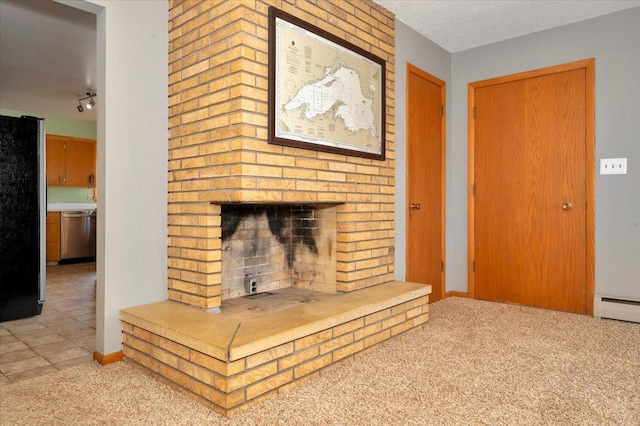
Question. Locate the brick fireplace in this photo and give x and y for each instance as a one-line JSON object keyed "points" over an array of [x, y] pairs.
{"points": [[218, 150], [241, 209]]}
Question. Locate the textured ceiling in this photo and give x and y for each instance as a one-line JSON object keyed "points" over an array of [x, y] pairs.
{"points": [[48, 49], [461, 25]]}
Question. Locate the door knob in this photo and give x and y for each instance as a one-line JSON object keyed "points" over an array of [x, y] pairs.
{"points": [[415, 206], [567, 206]]}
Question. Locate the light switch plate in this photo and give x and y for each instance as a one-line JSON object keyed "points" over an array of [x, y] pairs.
{"points": [[613, 166]]}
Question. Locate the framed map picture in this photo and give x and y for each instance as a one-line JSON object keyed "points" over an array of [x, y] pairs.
{"points": [[324, 93]]}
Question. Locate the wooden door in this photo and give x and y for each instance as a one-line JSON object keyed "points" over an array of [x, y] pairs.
{"points": [[80, 162], [55, 160], [530, 194], [425, 180]]}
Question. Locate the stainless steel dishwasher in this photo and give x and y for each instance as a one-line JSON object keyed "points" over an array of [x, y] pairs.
{"points": [[77, 234]]}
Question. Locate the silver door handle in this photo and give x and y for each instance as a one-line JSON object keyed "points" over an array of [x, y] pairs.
{"points": [[415, 206], [567, 206]]}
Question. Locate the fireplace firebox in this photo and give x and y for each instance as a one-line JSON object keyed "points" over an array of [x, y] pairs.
{"points": [[267, 247]]}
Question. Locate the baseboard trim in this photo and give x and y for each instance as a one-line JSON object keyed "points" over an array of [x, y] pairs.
{"points": [[456, 294], [108, 358], [618, 309]]}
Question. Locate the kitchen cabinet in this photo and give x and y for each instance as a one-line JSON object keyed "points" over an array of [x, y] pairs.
{"points": [[71, 161], [55, 160], [53, 237]]}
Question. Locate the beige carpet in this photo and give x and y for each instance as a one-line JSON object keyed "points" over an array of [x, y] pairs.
{"points": [[474, 363]]}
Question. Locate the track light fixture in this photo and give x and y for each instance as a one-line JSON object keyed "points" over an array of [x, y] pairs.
{"points": [[88, 105]]}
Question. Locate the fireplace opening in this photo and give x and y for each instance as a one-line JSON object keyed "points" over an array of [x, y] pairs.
{"points": [[269, 247]]}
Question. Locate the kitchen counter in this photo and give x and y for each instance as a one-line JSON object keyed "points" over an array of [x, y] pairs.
{"points": [[61, 207]]}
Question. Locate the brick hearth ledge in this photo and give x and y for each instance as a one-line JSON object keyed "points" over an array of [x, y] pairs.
{"points": [[229, 364]]}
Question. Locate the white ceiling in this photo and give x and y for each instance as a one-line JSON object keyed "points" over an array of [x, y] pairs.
{"points": [[48, 50], [47, 57], [460, 25]]}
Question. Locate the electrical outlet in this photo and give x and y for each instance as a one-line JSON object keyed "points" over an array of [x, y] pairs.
{"points": [[613, 166], [250, 284]]}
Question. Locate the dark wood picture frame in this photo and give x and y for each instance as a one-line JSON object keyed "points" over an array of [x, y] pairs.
{"points": [[376, 150]]}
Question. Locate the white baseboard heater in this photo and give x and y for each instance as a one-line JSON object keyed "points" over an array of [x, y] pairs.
{"points": [[614, 308]]}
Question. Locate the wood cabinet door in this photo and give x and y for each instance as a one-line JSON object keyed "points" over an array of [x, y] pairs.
{"points": [[53, 236], [80, 163], [55, 160]]}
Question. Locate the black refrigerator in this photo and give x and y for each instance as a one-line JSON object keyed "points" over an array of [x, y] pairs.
{"points": [[22, 217]]}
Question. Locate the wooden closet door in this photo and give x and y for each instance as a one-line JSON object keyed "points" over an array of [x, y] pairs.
{"points": [[530, 199], [425, 180]]}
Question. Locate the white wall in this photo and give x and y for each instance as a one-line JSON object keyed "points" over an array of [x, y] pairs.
{"points": [[132, 159], [413, 48], [614, 41]]}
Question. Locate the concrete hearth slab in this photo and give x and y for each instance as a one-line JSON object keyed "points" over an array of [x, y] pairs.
{"points": [[230, 339], [241, 308], [266, 331], [205, 332]]}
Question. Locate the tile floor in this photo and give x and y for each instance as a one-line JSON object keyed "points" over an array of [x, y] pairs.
{"points": [[62, 336]]}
